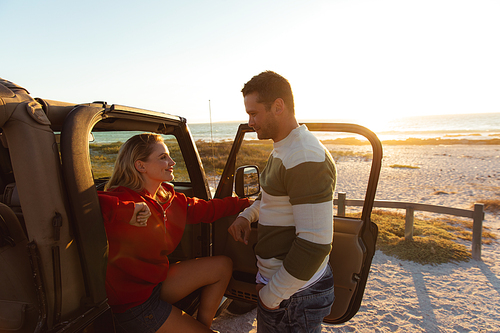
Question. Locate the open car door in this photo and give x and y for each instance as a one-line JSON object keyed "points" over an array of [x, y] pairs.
{"points": [[353, 241]]}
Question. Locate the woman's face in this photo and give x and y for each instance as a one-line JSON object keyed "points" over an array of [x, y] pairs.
{"points": [[159, 165]]}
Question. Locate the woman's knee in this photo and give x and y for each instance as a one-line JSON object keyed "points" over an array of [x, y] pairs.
{"points": [[224, 264]]}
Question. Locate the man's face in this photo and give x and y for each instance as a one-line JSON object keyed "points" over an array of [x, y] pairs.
{"points": [[263, 121]]}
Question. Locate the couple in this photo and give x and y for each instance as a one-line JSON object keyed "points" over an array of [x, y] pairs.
{"points": [[145, 219]]}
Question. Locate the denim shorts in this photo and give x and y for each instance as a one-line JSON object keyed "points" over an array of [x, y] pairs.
{"points": [[302, 312], [147, 317]]}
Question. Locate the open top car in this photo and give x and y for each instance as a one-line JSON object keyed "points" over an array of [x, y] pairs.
{"points": [[52, 239]]}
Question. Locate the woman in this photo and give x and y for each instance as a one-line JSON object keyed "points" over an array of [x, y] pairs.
{"points": [[144, 220]]}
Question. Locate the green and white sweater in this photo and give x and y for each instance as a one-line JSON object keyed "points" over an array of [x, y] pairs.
{"points": [[295, 214]]}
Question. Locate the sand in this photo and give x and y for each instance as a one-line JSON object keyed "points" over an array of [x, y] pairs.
{"points": [[403, 296]]}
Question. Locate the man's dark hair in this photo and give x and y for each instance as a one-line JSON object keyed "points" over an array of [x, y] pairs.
{"points": [[270, 86]]}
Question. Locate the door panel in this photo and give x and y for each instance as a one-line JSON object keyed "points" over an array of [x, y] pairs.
{"points": [[242, 284], [348, 256]]}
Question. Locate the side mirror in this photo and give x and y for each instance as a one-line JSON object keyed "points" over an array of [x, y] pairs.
{"points": [[246, 182]]}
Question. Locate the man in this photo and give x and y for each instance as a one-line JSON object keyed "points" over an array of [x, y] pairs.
{"points": [[295, 213]]}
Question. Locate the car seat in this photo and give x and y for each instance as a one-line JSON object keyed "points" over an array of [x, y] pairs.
{"points": [[19, 308]]}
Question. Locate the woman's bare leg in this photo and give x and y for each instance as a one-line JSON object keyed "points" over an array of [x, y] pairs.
{"points": [[179, 321], [210, 273]]}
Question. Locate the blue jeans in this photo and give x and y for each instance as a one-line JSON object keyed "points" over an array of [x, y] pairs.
{"points": [[147, 317], [302, 312]]}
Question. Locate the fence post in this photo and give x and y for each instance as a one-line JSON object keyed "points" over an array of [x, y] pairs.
{"points": [[410, 211], [341, 204], [477, 230]]}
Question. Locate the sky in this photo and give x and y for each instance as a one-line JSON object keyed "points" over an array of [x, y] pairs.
{"points": [[366, 61]]}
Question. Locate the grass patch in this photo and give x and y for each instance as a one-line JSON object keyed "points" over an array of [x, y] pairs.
{"points": [[338, 154], [442, 193], [214, 154], [103, 157], [347, 141], [400, 166], [491, 206], [434, 240], [106, 148], [466, 230]]}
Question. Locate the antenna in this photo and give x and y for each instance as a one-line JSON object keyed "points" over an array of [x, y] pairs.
{"points": [[212, 146]]}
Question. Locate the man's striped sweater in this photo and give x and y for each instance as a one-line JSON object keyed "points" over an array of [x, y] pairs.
{"points": [[295, 214]]}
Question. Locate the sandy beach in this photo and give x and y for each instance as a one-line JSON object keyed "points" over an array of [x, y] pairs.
{"points": [[403, 296]]}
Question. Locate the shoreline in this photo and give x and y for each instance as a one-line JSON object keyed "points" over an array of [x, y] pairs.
{"points": [[410, 141], [437, 141]]}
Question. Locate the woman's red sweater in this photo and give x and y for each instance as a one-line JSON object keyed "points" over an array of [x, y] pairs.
{"points": [[137, 259]]}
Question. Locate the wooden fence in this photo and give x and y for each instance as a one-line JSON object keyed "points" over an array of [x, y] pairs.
{"points": [[477, 215]]}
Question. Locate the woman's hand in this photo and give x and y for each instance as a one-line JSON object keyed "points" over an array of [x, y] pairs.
{"points": [[141, 215]]}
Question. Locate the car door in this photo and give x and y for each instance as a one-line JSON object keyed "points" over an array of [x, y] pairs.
{"points": [[354, 238]]}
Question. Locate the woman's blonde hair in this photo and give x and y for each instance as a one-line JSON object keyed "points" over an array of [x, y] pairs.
{"points": [[137, 148]]}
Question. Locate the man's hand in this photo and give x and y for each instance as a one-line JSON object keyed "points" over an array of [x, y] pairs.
{"points": [[141, 215], [240, 230], [258, 287]]}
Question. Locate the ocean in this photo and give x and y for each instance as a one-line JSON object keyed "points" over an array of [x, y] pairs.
{"points": [[469, 126], [466, 126], [482, 126]]}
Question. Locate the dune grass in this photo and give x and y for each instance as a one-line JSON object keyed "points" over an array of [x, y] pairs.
{"points": [[214, 154], [435, 241], [491, 206], [401, 166], [102, 158]]}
